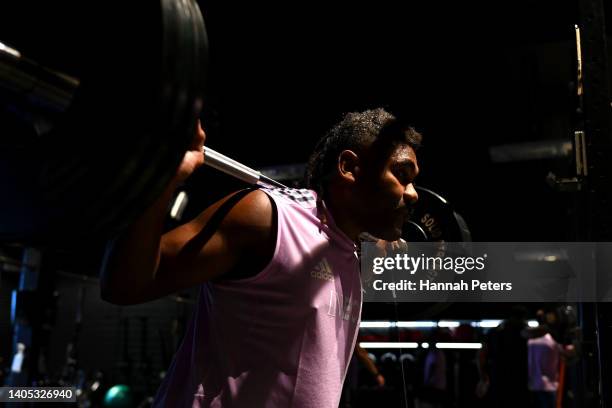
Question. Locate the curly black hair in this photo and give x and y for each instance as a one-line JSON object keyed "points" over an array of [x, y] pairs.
{"points": [[356, 131]]}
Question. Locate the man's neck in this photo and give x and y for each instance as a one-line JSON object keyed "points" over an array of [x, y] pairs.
{"points": [[343, 220]]}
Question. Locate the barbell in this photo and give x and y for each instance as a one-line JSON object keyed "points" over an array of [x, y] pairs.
{"points": [[431, 219], [87, 149]]}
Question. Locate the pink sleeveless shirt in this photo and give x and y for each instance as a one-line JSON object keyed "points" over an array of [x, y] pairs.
{"points": [[283, 338]]}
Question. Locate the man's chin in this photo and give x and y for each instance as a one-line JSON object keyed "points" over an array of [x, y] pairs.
{"points": [[387, 228]]}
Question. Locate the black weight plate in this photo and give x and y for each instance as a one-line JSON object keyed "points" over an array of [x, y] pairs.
{"points": [[432, 218], [132, 118]]}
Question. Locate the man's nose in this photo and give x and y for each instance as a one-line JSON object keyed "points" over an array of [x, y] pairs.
{"points": [[410, 194]]}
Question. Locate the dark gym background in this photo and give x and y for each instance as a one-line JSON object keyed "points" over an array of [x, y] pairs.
{"points": [[468, 76]]}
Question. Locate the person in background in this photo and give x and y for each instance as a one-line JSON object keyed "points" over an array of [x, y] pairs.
{"points": [[544, 361]]}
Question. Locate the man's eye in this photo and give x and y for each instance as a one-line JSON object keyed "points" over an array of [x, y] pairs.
{"points": [[404, 178]]}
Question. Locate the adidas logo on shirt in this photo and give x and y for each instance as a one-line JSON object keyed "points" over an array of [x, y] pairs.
{"points": [[322, 271]]}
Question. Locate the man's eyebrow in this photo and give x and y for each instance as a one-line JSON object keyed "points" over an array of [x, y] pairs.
{"points": [[405, 163]]}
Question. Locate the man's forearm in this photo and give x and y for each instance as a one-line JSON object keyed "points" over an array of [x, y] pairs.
{"points": [[132, 258], [363, 356]]}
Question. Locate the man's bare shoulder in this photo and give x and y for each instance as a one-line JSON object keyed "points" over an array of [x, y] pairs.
{"points": [[244, 209], [238, 228]]}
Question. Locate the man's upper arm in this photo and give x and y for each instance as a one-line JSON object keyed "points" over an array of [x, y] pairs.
{"points": [[208, 247]]}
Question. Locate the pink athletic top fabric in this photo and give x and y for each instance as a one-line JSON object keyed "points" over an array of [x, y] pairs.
{"points": [[283, 338]]}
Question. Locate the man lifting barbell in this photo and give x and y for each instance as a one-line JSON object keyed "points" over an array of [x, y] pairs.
{"points": [[280, 297]]}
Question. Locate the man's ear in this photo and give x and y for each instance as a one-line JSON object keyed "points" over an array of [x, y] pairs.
{"points": [[349, 165]]}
